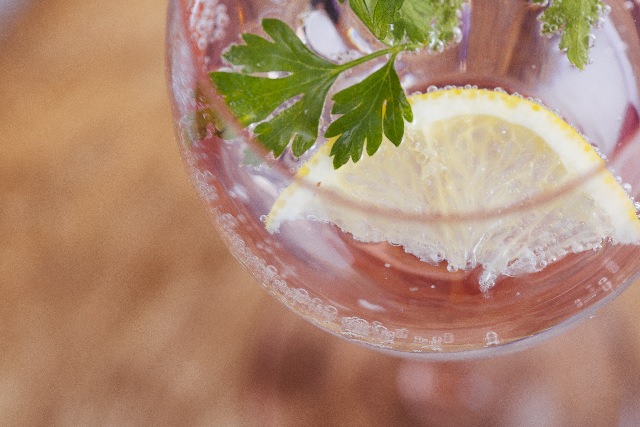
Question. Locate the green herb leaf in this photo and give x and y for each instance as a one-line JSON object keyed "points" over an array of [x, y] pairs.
{"points": [[378, 16], [370, 108], [574, 20], [305, 83], [430, 23], [203, 121], [416, 22]]}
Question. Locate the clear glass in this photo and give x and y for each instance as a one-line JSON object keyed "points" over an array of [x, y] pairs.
{"points": [[376, 294]]}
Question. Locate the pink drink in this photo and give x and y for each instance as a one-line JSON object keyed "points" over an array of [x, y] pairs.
{"points": [[378, 294], [375, 293]]}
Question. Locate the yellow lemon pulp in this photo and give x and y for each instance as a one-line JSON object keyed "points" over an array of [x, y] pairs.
{"points": [[471, 151]]}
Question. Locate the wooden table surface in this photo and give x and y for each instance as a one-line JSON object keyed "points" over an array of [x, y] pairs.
{"points": [[120, 306]]}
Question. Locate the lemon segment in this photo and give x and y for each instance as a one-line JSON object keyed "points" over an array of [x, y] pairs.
{"points": [[471, 151]]}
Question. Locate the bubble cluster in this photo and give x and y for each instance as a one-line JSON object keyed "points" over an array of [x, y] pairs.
{"points": [[434, 343], [375, 332], [208, 22]]}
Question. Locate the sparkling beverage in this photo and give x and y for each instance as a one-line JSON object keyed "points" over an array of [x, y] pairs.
{"points": [[376, 293]]}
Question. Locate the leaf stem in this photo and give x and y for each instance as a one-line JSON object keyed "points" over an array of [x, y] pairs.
{"points": [[393, 50]]}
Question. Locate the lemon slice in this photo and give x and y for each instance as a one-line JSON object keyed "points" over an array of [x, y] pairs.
{"points": [[470, 151]]}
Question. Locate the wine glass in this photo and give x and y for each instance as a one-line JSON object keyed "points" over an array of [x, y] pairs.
{"points": [[376, 294]]}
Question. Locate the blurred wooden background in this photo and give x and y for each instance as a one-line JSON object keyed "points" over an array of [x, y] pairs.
{"points": [[119, 305]]}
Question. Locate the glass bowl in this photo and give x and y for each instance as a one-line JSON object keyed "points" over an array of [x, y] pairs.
{"points": [[376, 294]]}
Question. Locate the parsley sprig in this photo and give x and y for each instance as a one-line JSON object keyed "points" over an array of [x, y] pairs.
{"points": [[288, 109], [281, 86]]}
